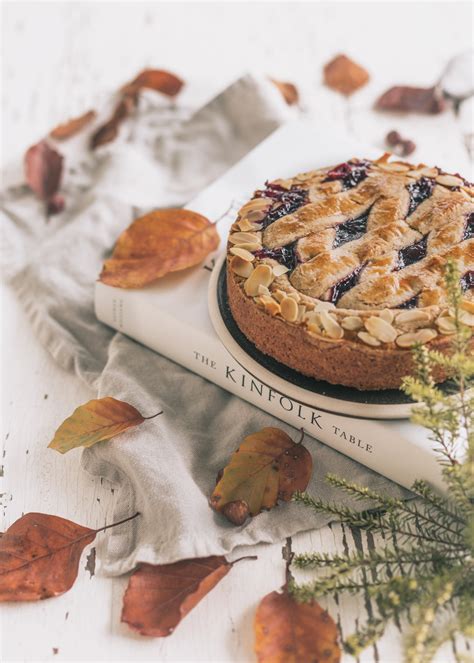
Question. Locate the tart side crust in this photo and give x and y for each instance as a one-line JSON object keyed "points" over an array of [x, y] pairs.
{"points": [[335, 361]]}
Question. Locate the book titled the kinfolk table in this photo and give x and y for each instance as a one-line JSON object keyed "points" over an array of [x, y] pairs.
{"points": [[172, 317]]}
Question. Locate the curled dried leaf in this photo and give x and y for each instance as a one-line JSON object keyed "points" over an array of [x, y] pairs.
{"points": [[43, 170], [40, 554], [95, 421], [159, 596], [289, 631], [344, 75], [288, 90], [156, 79], [73, 126], [158, 243], [403, 98], [267, 466]]}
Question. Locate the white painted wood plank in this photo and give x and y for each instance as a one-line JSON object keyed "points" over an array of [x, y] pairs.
{"points": [[63, 58]]}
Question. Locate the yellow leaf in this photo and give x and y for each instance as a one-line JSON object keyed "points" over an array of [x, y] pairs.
{"points": [[267, 466], [95, 421]]}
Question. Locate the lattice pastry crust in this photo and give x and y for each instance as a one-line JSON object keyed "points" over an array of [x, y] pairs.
{"points": [[338, 272]]}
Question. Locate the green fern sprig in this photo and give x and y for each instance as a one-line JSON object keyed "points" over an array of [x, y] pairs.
{"points": [[429, 572]]}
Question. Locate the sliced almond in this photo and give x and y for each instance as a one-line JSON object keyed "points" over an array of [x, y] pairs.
{"points": [[255, 204], [352, 323], [279, 270], [466, 318], [261, 275], [394, 167], [270, 305], [249, 246], [424, 172], [289, 309], [295, 296], [245, 238], [324, 306], [301, 312], [468, 306], [386, 315], [244, 224], [332, 328], [412, 316], [368, 338], [411, 338], [263, 290], [446, 325], [314, 328], [279, 295], [241, 267], [383, 331], [449, 180], [242, 253]]}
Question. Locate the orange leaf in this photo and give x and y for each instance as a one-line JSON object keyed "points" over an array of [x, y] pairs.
{"points": [[288, 90], [267, 466], [95, 421], [40, 554], [73, 126], [344, 75], [156, 79], [158, 243], [291, 632], [158, 597]]}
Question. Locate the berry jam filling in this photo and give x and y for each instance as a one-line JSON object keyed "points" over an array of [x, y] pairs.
{"points": [[351, 173], [285, 255], [286, 201], [345, 284], [419, 191], [412, 253], [350, 230], [467, 280], [469, 228], [410, 303]]}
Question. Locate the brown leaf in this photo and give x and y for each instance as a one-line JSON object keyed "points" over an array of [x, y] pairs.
{"points": [[344, 75], [267, 466], [40, 554], [403, 98], [43, 170], [156, 79], [73, 126], [291, 632], [158, 597], [288, 90], [158, 243], [95, 421]]}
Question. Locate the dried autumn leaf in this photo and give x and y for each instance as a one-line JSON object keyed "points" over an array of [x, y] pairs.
{"points": [[95, 421], [267, 466], [404, 98], [159, 596], [288, 90], [40, 554], [158, 243], [43, 170], [73, 126], [156, 79], [291, 632], [344, 75]]}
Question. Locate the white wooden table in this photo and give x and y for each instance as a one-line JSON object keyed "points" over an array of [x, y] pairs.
{"points": [[61, 59]]}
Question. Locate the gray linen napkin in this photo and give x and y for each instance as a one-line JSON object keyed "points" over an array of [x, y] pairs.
{"points": [[166, 469]]}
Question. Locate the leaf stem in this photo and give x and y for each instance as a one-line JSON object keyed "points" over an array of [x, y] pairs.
{"points": [[120, 522], [245, 557], [154, 415]]}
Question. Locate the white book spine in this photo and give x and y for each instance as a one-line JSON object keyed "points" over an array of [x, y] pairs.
{"points": [[395, 449]]}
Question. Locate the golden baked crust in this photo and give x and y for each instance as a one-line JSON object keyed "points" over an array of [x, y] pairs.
{"points": [[338, 272]]}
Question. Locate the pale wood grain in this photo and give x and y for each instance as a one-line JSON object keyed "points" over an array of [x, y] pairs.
{"points": [[62, 59]]}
